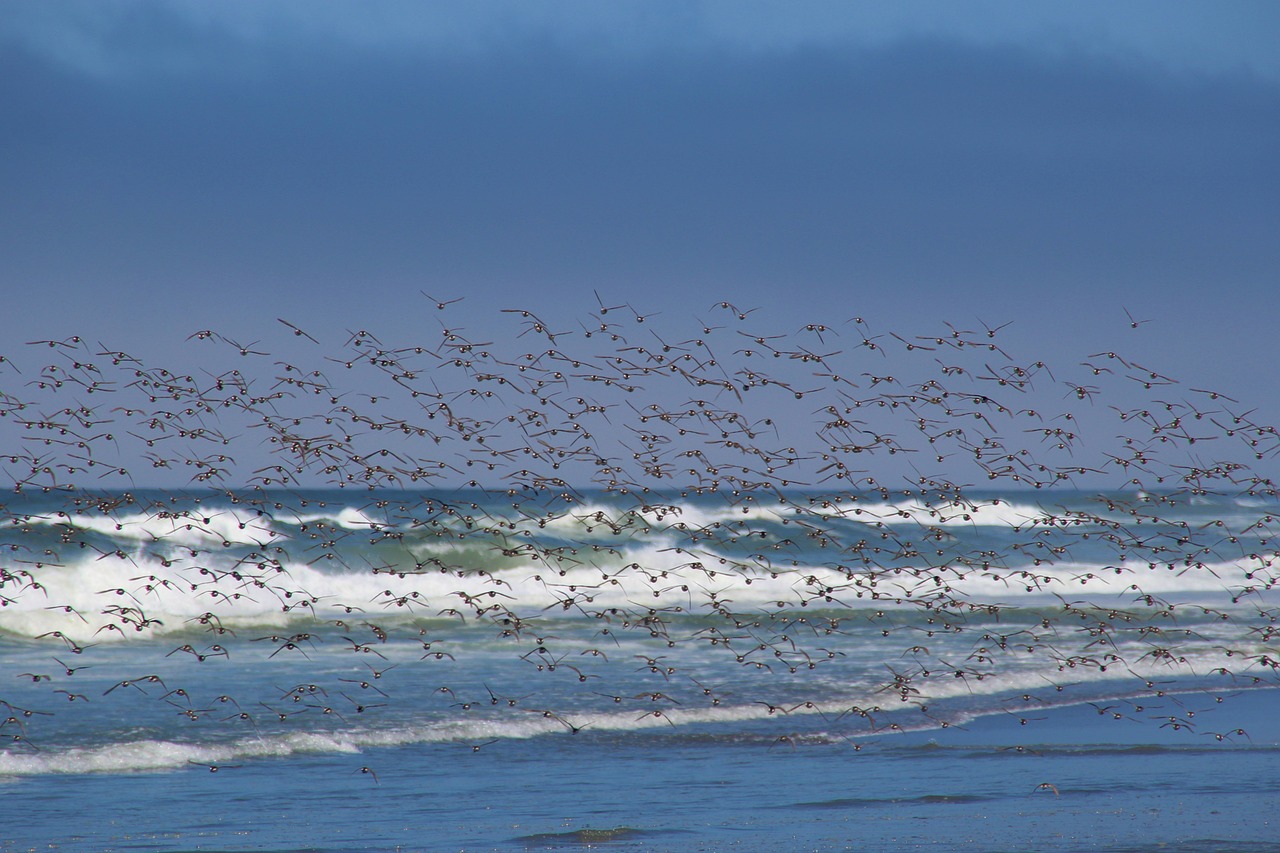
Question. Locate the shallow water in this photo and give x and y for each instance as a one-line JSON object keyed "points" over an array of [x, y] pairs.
{"points": [[982, 788]]}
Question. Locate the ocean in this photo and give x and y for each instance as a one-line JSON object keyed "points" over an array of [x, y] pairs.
{"points": [[333, 670], [566, 590]]}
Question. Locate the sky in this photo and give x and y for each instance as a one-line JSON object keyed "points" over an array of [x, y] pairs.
{"points": [[1060, 167]]}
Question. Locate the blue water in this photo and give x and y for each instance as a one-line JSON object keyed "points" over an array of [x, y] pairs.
{"points": [[671, 792], [329, 707]]}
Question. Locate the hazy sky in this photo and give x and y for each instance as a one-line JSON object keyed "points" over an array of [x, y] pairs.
{"points": [[167, 167]]}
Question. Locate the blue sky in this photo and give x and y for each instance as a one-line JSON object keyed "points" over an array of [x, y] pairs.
{"points": [[168, 167]]}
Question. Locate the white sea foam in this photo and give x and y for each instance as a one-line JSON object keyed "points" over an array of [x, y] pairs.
{"points": [[866, 710], [182, 527], [979, 513], [147, 595], [347, 518]]}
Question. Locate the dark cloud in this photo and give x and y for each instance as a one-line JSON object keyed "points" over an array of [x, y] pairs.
{"points": [[922, 174]]}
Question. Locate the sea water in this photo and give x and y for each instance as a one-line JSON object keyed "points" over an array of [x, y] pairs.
{"points": [[458, 670]]}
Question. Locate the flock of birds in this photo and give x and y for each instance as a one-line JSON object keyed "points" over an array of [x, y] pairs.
{"points": [[514, 431]]}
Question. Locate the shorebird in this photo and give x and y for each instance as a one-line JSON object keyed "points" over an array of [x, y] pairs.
{"points": [[639, 481]]}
